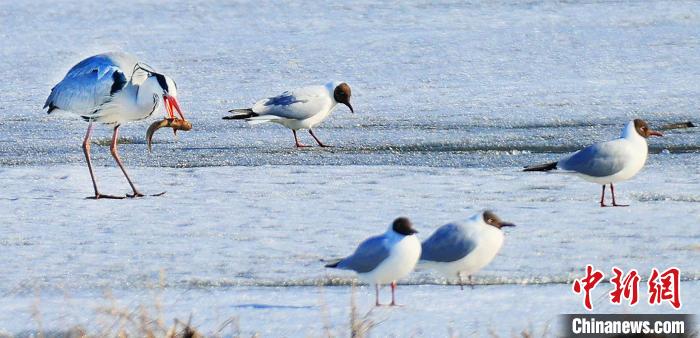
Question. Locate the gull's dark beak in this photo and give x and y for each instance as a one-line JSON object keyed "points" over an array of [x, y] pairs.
{"points": [[171, 106], [349, 106], [506, 224], [655, 133]]}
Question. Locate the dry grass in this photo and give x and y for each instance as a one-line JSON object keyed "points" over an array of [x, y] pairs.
{"points": [[360, 326], [114, 320]]}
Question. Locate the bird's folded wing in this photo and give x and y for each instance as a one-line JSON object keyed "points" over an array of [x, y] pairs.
{"points": [[599, 160], [448, 244], [368, 255], [88, 85], [298, 104]]}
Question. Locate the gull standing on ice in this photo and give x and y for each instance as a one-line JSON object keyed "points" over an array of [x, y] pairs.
{"points": [[302, 108], [112, 88], [385, 258], [461, 249], [608, 162]]}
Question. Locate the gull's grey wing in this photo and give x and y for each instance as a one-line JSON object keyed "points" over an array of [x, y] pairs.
{"points": [[90, 83], [447, 244], [598, 160], [284, 99], [368, 255], [298, 104]]}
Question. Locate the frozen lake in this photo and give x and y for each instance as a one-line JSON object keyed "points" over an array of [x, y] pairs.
{"points": [[259, 238], [451, 98]]}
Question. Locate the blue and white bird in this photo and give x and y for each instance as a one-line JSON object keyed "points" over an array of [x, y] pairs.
{"points": [[302, 108], [385, 258], [113, 88], [458, 250], [608, 162]]}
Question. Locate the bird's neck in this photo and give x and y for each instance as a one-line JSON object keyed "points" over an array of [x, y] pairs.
{"points": [[394, 236], [630, 133], [635, 138], [148, 95]]}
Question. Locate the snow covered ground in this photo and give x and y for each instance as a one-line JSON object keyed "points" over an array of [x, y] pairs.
{"points": [[452, 99]]}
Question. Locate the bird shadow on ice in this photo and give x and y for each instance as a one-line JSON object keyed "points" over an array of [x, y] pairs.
{"points": [[271, 306]]}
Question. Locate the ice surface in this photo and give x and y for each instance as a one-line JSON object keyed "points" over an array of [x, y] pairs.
{"points": [[452, 98], [434, 83], [238, 232]]}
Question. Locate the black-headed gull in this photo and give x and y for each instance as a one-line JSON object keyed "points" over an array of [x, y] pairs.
{"points": [[385, 258], [302, 108], [461, 249], [113, 88], [608, 162]]}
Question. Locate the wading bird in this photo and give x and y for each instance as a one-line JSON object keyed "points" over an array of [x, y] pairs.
{"points": [[113, 88], [608, 162], [302, 108]]}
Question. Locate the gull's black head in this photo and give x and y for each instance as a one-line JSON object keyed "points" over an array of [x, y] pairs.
{"points": [[402, 225], [643, 129], [491, 219], [342, 94]]}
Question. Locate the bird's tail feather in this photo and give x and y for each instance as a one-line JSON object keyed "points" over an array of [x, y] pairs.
{"points": [[542, 167], [333, 263], [258, 119], [240, 114]]}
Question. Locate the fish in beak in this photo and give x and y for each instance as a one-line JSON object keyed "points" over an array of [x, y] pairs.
{"points": [[171, 106], [176, 124]]}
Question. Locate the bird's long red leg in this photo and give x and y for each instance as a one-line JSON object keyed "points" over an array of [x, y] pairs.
{"points": [[296, 140], [86, 151], [602, 197], [393, 293], [317, 140], [612, 190], [115, 154]]}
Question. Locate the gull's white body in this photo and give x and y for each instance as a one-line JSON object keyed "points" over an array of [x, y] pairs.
{"points": [[306, 107], [488, 242], [628, 154], [87, 88], [405, 251]]}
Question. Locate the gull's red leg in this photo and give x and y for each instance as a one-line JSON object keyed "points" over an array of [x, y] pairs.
{"points": [[602, 197], [296, 140], [317, 140], [115, 154], [376, 295], [86, 151], [393, 293], [612, 190]]}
